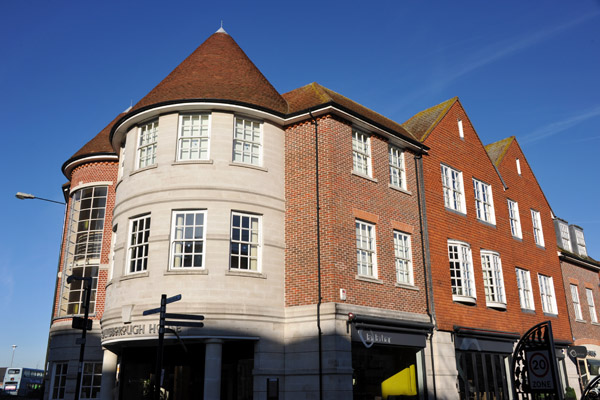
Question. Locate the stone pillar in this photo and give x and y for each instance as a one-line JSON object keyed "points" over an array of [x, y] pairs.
{"points": [[109, 374], [212, 369]]}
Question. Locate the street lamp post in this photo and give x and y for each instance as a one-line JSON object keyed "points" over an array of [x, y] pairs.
{"points": [[87, 282], [27, 196], [14, 346]]}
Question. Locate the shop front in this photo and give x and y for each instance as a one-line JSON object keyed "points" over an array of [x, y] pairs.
{"points": [[388, 358], [483, 363]]}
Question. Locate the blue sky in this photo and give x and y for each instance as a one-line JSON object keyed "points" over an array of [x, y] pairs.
{"points": [[528, 69]]}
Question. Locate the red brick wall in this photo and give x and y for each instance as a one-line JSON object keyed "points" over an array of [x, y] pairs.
{"points": [[583, 331], [469, 156], [84, 174], [343, 198]]}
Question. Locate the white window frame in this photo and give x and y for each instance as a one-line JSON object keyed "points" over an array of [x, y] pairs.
{"points": [[565, 238], [184, 248], [247, 141], [461, 271], [576, 302], [461, 132], [147, 144], [484, 202], [253, 243], [61, 376], [518, 162], [493, 279], [95, 378], [397, 168], [138, 242], [113, 243], [454, 190], [525, 290], [403, 258], [85, 240], [515, 220], [538, 234], [361, 153], [589, 294], [547, 294], [366, 249], [580, 240], [121, 162], [193, 137]]}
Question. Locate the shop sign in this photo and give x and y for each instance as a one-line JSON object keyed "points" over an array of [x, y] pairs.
{"points": [[133, 330], [577, 351], [369, 337]]}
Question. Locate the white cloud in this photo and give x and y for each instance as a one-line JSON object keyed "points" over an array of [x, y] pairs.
{"points": [[559, 126], [488, 55]]}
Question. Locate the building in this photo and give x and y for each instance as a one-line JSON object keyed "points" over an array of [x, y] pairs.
{"points": [[492, 258], [330, 249], [581, 283], [85, 252], [213, 196]]}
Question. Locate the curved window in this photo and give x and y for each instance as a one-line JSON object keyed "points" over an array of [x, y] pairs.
{"points": [[83, 247], [187, 239], [247, 141], [461, 271], [194, 138]]}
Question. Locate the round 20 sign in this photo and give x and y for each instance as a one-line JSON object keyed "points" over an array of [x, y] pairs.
{"points": [[540, 370]]}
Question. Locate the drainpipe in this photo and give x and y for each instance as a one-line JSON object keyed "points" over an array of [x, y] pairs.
{"points": [[315, 123], [426, 261]]}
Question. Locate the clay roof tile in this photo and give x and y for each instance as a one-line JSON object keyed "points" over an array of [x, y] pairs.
{"points": [[218, 70]]}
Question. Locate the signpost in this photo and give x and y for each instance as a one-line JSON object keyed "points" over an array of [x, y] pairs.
{"points": [[174, 321], [534, 365], [85, 324]]}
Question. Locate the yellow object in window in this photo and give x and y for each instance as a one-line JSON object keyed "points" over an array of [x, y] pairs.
{"points": [[404, 383]]}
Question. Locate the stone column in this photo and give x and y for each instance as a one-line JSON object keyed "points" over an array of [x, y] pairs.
{"points": [[109, 374], [212, 369]]}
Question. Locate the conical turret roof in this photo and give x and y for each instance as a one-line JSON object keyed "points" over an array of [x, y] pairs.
{"points": [[217, 70]]}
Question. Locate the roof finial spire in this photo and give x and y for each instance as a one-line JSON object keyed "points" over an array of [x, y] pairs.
{"points": [[221, 30]]}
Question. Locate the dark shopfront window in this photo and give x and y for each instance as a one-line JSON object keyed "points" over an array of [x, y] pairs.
{"points": [[374, 365], [483, 375], [184, 371]]}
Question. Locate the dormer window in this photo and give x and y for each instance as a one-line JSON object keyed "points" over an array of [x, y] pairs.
{"points": [[578, 240], [565, 239]]}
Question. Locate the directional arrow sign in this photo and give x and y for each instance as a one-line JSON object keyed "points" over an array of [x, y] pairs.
{"points": [[184, 323], [184, 316], [157, 310]]}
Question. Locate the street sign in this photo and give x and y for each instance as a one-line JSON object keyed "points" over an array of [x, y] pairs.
{"points": [[540, 374], [184, 316], [172, 299], [185, 323]]}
